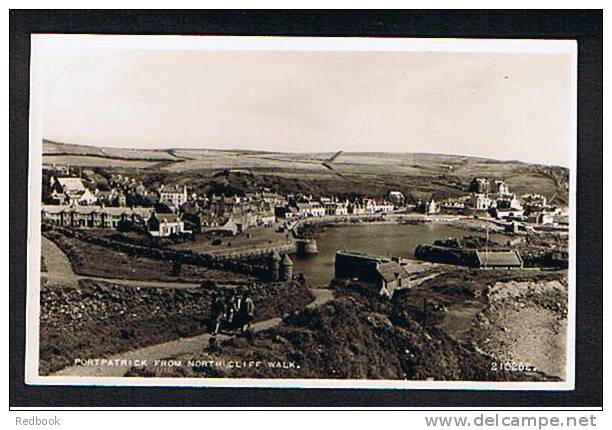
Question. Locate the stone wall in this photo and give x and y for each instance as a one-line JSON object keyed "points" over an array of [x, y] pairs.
{"points": [[232, 263]]}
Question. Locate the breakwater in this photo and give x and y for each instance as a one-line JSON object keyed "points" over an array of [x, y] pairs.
{"points": [[441, 254]]}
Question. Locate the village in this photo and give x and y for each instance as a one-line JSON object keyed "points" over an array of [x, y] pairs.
{"points": [[174, 210], [266, 226]]}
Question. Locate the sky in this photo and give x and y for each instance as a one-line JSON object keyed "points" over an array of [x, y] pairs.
{"points": [[502, 106]]}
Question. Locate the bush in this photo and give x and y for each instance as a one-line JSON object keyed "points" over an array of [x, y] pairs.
{"points": [[124, 226]]}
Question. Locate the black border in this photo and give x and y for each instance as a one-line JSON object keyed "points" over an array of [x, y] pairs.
{"points": [[586, 26]]}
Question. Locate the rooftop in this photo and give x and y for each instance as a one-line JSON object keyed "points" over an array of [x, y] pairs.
{"points": [[391, 270], [168, 217], [499, 258], [287, 261], [173, 189], [71, 184]]}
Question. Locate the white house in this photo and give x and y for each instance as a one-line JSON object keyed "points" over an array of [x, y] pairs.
{"points": [[71, 191], [316, 209], [431, 207], [310, 209], [374, 206], [508, 207], [173, 195], [480, 201], [164, 225], [397, 197]]}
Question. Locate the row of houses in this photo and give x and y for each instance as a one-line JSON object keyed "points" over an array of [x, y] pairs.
{"points": [[124, 191], [235, 214], [75, 205], [93, 216], [305, 207], [158, 225]]}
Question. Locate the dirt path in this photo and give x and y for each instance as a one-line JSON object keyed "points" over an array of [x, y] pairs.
{"points": [[60, 270], [71, 279], [174, 348], [56, 261], [321, 296]]}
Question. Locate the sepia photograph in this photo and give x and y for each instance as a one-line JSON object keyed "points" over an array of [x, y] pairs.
{"points": [[302, 212]]}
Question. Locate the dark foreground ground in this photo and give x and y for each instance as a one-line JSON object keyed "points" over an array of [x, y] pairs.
{"points": [[98, 319], [361, 336]]}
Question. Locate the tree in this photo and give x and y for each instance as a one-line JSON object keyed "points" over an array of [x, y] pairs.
{"points": [[192, 222], [162, 208]]}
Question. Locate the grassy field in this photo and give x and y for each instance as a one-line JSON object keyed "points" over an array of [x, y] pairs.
{"points": [[57, 148], [259, 236], [97, 261], [93, 161]]}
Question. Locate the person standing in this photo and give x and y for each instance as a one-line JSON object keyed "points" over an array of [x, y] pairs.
{"points": [[247, 312], [234, 308], [217, 313]]}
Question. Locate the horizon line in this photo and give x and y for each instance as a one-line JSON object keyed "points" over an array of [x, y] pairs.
{"points": [[263, 151]]}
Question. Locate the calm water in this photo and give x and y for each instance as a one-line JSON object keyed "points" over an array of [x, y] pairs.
{"points": [[382, 240]]}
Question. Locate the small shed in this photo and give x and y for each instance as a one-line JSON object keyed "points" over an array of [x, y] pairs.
{"points": [[391, 277]]}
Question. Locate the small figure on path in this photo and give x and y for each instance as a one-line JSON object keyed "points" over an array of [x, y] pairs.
{"points": [[247, 313], [217, 313], [234, 307]]}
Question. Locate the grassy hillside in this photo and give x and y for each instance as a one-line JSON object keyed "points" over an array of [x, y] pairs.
{"points": [[51, 148], [418, 175]]}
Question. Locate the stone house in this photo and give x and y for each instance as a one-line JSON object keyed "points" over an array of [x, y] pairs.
{"points": [[384, 275], [173, 195], [165, 225]]}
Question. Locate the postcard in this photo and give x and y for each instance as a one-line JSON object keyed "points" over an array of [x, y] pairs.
{"points": [[302, 212]]}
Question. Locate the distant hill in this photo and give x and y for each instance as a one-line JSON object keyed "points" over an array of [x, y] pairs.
{"points": [[51, 148], [418, 175]]}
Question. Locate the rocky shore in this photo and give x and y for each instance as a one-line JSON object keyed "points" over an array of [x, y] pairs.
{"points": [[525, 323]]}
